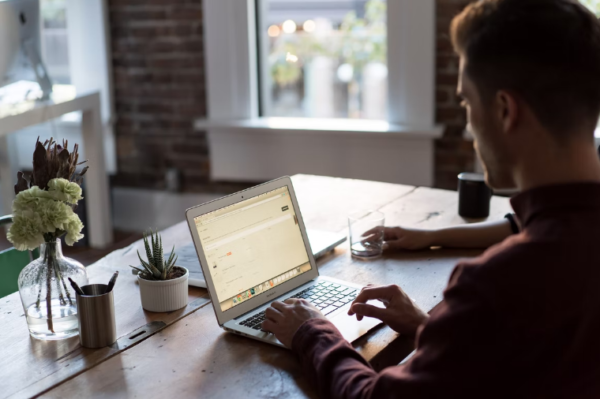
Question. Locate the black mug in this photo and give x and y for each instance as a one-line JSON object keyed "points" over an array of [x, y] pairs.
{"points": [[474, 196]]}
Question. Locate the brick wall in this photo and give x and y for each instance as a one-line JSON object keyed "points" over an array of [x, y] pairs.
{"points": [[159, 91], [453, 155]]}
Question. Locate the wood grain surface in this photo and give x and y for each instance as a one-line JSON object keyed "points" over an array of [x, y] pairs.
{"points": [[193, 357], [29, 366]]}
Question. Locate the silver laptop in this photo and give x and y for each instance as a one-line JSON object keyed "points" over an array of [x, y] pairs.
{"points": [[254, 249], [321, 243]]}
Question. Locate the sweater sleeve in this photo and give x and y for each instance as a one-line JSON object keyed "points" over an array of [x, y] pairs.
{"points": [[452, 350], [331, 363]]}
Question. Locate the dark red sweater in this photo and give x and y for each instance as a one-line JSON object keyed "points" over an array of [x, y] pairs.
{"points": [[522, 320]]}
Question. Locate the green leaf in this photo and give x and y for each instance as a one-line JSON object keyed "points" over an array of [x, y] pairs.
{"points": [[151, 269], [157, 254], [172, 266], [145, 264], [138, 269], [161, 259], [170, 261], [152, 245], [148, 251]]}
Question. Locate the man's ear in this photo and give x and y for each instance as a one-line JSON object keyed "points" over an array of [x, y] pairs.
{"points": [[507, 110]]}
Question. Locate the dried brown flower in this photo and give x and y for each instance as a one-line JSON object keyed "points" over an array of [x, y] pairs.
{"points": [[50, 161]]}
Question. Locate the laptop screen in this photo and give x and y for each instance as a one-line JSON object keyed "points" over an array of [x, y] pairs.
{"points": [[252, 246]]}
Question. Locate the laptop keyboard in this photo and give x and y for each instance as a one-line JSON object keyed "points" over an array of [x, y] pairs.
{"points": [[326, 296]]}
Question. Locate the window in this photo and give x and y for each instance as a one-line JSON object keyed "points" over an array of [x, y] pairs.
{"points": [[325, 59], [593, 5], [242, 127], [54, 43]]}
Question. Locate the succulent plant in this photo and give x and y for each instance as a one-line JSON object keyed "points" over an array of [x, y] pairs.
{"points": [[156, 268]]}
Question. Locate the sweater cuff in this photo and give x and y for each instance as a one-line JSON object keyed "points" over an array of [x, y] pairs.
{"points": [[307, 335]]}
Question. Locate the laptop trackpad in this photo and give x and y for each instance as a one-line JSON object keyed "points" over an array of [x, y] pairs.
{"points": [[351, 328]]}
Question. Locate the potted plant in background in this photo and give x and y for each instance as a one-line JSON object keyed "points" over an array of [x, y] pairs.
{"points": [[163, 285], [42, 213]]}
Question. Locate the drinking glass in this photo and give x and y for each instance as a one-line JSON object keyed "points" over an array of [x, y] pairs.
{"points": [[366, 234]]}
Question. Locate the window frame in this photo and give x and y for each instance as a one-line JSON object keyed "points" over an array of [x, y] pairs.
{"points": [[231, 48]]}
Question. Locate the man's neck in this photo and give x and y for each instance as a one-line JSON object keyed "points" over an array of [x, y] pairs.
{"points": [[576, 162]]}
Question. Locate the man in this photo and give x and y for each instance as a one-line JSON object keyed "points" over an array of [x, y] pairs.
{"points": [[522, 320]]}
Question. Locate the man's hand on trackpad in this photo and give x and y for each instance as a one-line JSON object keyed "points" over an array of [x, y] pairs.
{"points": [[401, 314]]}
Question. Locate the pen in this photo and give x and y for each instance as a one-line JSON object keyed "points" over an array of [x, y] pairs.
{"points": [[76, 287], [112, 281]]}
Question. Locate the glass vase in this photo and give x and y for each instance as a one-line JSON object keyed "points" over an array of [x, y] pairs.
{"points": [[47, 296]]}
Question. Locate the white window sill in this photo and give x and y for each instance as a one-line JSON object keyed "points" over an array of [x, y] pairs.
{"points": [[352, 127], [265, 148]]}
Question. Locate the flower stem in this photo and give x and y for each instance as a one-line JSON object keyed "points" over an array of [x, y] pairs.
{"points": [[39, 283], [61, 280], [49, 297], [57, 274], [50, 258]]}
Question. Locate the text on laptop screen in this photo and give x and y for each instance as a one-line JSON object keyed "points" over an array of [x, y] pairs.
{"points": [[252, 246]]}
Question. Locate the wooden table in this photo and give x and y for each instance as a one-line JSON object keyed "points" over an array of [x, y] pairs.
{"points": [[186, 354]]}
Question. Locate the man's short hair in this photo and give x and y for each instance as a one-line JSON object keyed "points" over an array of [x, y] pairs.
{"points": [[546, 51]]}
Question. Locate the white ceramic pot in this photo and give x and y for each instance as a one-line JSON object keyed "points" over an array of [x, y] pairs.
{"points": [[164, 296]]}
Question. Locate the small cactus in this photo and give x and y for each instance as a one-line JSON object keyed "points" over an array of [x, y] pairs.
{"points": [[155, 268]]}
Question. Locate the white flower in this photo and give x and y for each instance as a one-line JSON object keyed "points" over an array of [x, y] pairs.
{"points": [[37, 212], [73, 230], [55, 215], [26, 232], [68, 191], [30, 199]]}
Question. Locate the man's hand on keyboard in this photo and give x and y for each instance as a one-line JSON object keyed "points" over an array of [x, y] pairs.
{"points": [[401, 314], [285, 318]]}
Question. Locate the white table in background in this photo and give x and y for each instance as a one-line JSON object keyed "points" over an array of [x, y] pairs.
{"points": [[14, 117]]}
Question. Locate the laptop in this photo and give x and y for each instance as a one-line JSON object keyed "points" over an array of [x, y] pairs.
{"points": [[321, 243], [254, 249]]}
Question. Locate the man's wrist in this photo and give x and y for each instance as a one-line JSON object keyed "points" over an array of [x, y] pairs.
{"points": [[419, 320], [432, 238]]}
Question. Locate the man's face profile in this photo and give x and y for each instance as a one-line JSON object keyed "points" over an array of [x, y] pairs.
{"points": [[485, 125]]}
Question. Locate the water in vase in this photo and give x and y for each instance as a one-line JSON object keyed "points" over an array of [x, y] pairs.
{"points": [[64, 320]]}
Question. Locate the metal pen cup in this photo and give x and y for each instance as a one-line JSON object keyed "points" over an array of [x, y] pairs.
{"points": [[96, 313]]}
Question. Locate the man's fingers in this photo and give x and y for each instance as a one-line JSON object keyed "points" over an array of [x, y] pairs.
{"points": [[364, 310], [374, 230], [350, 312], [393, 245], [273, 314], [385, 292], [292, 301], [268, 325], [389, 233], [279, 305]]}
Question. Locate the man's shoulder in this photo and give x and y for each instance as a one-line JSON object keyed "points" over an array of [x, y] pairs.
{"points": [[519, 269], [515, 254]]}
